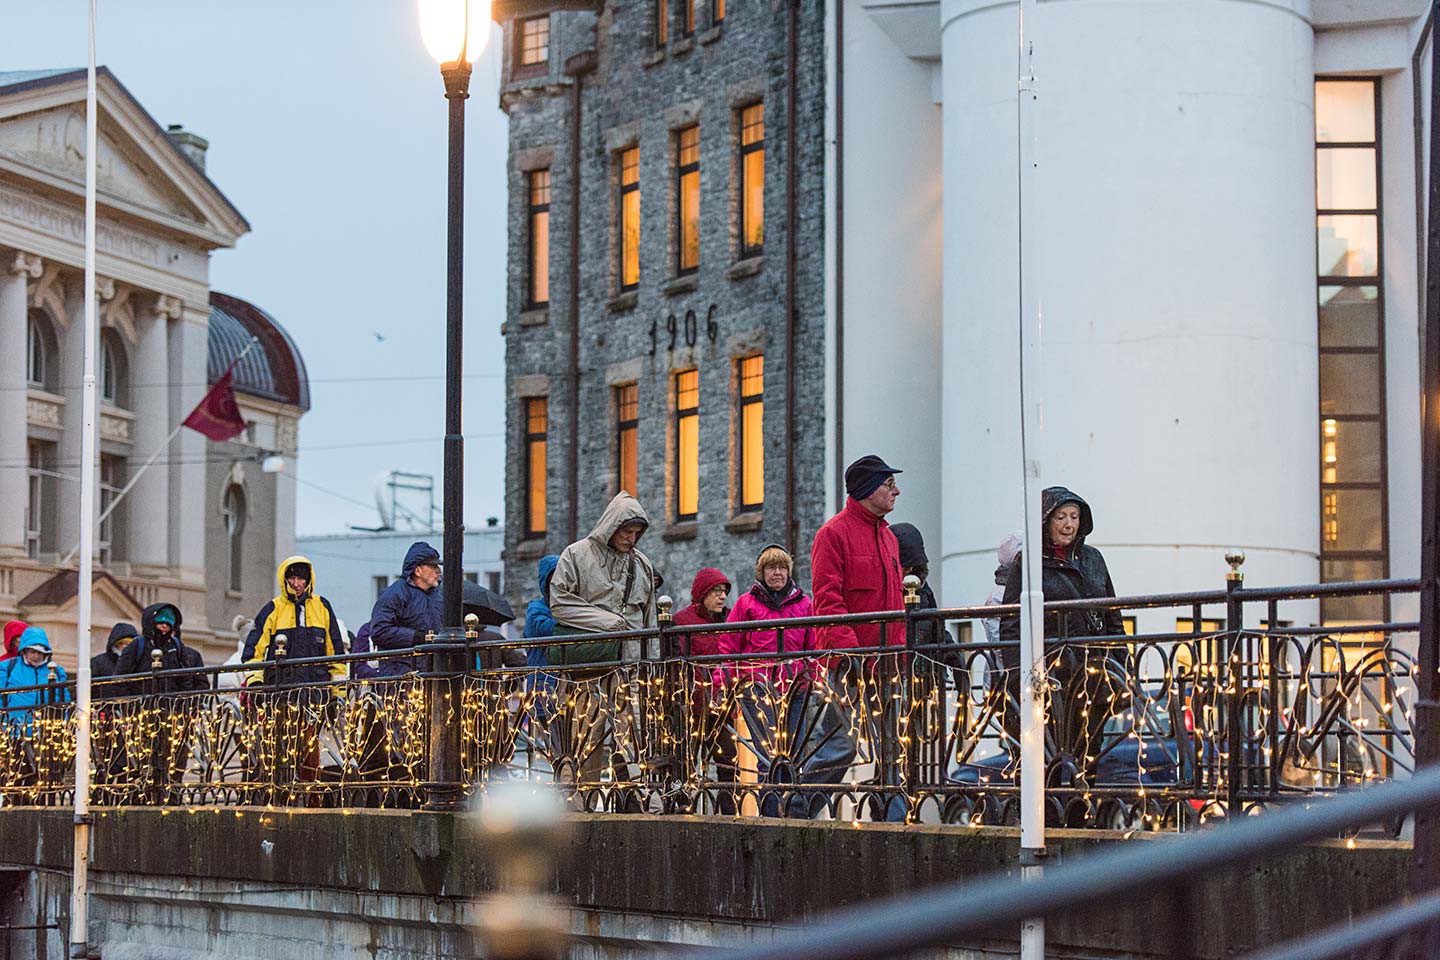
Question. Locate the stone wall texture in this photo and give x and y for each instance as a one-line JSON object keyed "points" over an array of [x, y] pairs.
{"points": [[638, 94]]}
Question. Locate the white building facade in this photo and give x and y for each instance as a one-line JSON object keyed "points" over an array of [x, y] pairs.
{"points": [[1228, 271], [202, 526]]}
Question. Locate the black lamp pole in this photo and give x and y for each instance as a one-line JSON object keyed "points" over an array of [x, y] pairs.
{"points": [[449, 665]]}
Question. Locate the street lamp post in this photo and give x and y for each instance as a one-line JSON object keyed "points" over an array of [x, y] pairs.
{"points": [[454, 32]]}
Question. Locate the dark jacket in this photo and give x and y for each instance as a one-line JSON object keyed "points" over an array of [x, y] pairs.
{"points": [[102, 665], [914, 560], [1080, 575], [404, 614], [361, 669], [136, 659]]}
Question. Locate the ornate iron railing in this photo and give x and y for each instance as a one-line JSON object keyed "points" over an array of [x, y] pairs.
{"points": [[1156, 731]]}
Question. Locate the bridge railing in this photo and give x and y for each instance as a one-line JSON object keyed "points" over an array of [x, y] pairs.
{"points": [[1229, 712]]}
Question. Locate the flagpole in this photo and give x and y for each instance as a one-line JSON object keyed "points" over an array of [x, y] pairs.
{"points": [[135, 478], [1032, 610], [80, 881]]}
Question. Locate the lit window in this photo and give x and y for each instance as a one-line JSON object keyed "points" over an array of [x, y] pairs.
{"points": [[687, 16], [662, 22], [1353, 541], [752, 179], [752, 433], [539, 238], [717, 11], [687, 444], [233, 509], [536, 427], [534, 41], [687, 209], [629, 218], [627, 425]]}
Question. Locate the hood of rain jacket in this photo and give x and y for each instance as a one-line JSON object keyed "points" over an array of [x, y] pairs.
{"points": [[136, 659], [597, 588], [419, 552]]}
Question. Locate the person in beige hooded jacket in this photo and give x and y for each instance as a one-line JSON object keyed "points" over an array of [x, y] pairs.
{"points": [[603, 583]]}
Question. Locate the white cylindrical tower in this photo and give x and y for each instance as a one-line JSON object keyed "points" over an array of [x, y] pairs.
{"points": [[1177, 280]]}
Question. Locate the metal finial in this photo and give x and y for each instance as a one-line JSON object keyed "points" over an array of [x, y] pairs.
{"points": [[155, 659], [522, 828], [1236, 558], [472, 626], [663, 605], [912, 590], [280, 646]]}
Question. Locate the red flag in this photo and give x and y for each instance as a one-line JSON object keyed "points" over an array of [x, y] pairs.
{"points": [[218, 416]]}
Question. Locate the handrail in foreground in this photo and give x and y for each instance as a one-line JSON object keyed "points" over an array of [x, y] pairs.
{"points": [[926, 918]]}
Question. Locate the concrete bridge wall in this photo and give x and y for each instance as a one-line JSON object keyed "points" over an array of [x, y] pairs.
{"points": [[325, 885]]}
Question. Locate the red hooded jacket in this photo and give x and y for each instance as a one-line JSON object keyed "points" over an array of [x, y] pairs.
{"points": [[13, 629], [855, 568], [702, 644]]}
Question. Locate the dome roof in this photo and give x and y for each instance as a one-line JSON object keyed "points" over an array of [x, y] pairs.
{"points": [[274, 370]]}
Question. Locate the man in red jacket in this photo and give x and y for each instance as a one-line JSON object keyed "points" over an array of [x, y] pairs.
{"points": [[855, 559]]}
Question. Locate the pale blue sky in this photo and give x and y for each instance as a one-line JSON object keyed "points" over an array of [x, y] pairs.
{"points": [[327, 129]]}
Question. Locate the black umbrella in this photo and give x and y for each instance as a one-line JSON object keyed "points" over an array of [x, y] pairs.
{"points": [[489, 606]]}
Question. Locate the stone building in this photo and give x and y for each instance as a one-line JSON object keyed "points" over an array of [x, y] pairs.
{"points": [[665, 320], [202, 526]]}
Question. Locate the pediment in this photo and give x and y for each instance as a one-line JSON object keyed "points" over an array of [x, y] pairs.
{"points": [[54, 141], [139, 172]]}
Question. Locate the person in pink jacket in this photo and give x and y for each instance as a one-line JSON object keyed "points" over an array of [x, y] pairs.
{"points": [[773, 596], [816, 746]]}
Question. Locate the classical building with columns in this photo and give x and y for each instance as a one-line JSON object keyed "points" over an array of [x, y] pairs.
{"points": [[1228, 266], [204, 524]]}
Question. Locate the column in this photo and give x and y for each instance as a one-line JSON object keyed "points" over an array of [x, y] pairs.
{"points": [[14, 322], [188, 361], [72, 375], [1176, 275], [149, 502]]}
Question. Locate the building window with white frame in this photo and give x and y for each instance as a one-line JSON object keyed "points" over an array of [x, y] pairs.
{"points": [[112, 545], [234, 509], [1354, 538]]}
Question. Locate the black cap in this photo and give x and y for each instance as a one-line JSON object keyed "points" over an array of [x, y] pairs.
{"points": [[864, 476]]}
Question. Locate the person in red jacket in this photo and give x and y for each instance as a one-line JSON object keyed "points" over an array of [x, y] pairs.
{"points": [[713, 724], [855, 560], [11, 647]]}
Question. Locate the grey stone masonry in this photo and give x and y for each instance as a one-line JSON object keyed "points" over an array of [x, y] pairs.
{"points": [[635, 92]]}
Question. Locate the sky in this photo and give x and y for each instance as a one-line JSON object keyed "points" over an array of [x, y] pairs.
{"points": [[327, 129]]}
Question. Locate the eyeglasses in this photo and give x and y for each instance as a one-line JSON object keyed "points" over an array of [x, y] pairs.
{"points": [[890, 482]]}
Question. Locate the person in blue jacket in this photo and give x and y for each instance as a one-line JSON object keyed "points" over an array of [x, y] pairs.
{"points": [[540, 623], [408, 609], [31, 668]]}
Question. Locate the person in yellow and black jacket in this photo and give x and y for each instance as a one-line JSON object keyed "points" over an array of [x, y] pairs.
{"points": [[310, 627]]}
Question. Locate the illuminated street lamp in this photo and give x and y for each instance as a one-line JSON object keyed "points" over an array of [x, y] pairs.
{"points": [[454, 32]]}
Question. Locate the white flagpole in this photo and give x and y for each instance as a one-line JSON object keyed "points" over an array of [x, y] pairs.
{"points": [[1032, 619], [79, 889]]}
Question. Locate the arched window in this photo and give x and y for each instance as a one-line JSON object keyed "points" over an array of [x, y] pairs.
{"points": [[41, 355], [234, 510], [114, 370]]}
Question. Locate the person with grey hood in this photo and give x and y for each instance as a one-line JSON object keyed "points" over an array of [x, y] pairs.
{"points": [[604, 584], [601, 584]]}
